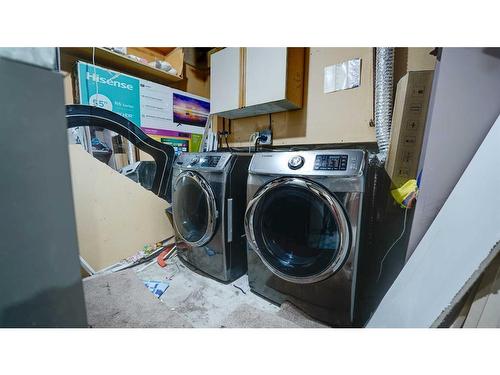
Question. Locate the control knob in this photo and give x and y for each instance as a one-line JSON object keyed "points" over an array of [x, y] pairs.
{"points": [[296, 162]]}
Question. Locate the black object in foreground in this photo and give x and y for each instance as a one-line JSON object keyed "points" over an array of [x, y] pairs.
{"points": [[163, 154]]}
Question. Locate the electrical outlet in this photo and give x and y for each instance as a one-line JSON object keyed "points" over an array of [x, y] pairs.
{"points": [[266, 137]]}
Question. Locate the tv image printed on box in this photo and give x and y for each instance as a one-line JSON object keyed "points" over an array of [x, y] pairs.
{"points": [[190, 111]]}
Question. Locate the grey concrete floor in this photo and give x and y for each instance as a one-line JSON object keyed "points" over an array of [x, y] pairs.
{"points": [[201, 300]]}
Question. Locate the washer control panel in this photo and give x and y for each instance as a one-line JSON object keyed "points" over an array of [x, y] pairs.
{"points": [[194, 161], [207, 160], [331, 162]]}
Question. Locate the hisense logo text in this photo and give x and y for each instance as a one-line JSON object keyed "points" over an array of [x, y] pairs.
{"points": [[97, 78]]}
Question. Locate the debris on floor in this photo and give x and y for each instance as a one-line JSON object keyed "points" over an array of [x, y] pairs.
{"points": [[142, 256], [166, 253], [156, 287], [120, 300], [203, 301], [239, 288]]}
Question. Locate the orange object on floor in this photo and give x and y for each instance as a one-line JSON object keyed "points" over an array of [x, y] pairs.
{"points": [[162, 258]]}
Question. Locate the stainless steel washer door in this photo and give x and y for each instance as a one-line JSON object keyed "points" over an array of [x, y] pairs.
{"points": [[194, 209], [298, 229]]}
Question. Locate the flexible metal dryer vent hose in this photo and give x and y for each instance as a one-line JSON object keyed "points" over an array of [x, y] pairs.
{"points": [[384, 71]]}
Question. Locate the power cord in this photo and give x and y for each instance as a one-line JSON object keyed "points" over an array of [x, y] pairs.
{"points": [[224, 133], [393, 244], [252, 140], [257, 141]]}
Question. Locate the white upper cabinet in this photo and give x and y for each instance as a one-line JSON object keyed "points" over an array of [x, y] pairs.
{"points": [[225, 89], [256, 81], [265, 79]]}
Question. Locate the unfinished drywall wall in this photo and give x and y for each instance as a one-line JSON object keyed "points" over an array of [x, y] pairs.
{"points": [[342, 116], [115, 217], [420, 58], [337, 117], [196, 81]]}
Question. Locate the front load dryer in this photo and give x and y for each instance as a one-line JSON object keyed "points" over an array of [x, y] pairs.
{"points": [[302, 224], [208, 206]]}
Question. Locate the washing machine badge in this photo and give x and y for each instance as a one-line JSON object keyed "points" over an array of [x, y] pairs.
{"points": [[296, 162]]}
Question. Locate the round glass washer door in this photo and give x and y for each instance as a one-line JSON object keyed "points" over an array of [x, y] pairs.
{"points": [[194, 209], [299, 230]]}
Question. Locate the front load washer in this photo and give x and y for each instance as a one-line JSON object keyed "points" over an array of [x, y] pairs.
{"points": [[208, 206], [302, 224]]}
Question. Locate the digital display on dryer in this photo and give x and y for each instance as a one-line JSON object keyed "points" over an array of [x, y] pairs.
{"points": [[209, 161], [330, 163]]}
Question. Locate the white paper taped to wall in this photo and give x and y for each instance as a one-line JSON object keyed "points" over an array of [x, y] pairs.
{"points": [[342, 76]]}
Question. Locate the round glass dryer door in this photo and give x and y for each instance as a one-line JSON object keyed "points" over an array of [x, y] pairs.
{"points": [[194, 210], [298, 229]]}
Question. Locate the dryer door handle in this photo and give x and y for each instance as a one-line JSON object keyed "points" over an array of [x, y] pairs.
{"points": [[230, 220]]}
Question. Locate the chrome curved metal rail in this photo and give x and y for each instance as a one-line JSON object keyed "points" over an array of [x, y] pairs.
{"points": [[211, 205], [336, 210]]}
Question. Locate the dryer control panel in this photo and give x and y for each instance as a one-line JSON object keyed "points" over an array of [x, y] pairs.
{"points": [[335, 162], [331, 162]]}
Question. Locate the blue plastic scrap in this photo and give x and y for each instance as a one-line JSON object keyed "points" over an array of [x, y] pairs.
{"points": [[157, 287]]}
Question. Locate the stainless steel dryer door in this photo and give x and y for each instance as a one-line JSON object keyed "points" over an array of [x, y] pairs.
{"points": [[194, 209], [299, 230]]}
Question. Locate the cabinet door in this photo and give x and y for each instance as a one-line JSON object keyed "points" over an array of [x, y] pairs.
{"points": [[265, 78], [225, 80]]}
